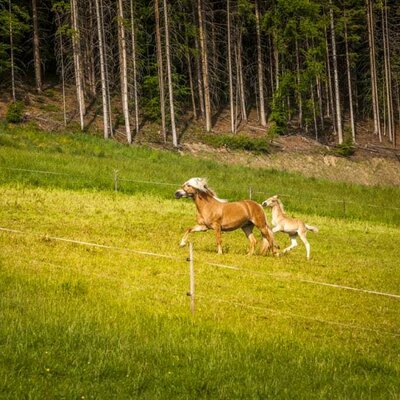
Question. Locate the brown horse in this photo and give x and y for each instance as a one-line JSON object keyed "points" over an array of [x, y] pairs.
{"points": [[292, 226], [220, 215]]}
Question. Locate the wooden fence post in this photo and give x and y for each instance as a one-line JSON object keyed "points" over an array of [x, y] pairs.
{"points": [[191, 273], [115, 180]]}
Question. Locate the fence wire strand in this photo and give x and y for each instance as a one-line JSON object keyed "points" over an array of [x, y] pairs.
{"points": [[260, 308], [217, 265], [266, 193]]}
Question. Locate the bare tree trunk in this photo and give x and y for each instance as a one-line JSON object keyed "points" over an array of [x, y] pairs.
{"points": [[330, 88], [320, 102], [374, 84], [230, 77], [123, 70], [169, 77], [77, 62], [134, 65], [90, 53], [336, 78], [199, 79], [314, 112], [349, 85], [241, 83], [204, 64], [260, 68], [299, 96], [198, 68], [36, 48], [388, 74], [58, 23], [398, 110], [271, 65], [276, 60], [191, 83], [237, 95], [160, 66], [12, 52], [107, 77], [392, 119], [214, 50], [106, 118]]}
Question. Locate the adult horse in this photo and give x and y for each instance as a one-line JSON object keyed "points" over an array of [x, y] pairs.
{"points": [[221, 215]]}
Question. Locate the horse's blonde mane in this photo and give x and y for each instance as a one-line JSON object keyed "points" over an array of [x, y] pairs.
{"points": [[202, 185], [198, 183]]}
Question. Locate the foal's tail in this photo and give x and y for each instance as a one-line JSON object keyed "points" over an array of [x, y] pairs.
{"points": [[311, 228]]}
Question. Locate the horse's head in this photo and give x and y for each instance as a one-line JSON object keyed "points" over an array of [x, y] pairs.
{"points": [[191, 187], [271, 202]]}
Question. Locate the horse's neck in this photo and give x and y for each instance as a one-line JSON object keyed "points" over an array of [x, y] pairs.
{"points": [[277, 213], [203, 200]]}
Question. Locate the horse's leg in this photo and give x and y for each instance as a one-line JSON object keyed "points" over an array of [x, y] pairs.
{"points": [[196, 228], [248, 230], [217, 229], [306, 243], [292, 245]]}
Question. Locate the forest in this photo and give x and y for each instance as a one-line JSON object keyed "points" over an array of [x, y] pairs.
{"points": [[320, 68]]}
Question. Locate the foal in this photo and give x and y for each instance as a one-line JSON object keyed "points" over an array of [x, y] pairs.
{"points": [[292, 226], [220, 215]]}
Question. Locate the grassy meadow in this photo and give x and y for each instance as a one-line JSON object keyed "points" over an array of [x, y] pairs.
{"points": [[85, 322]]}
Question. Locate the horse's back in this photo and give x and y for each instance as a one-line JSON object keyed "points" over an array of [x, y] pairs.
{"points": [[254, 212], [240, 213]]}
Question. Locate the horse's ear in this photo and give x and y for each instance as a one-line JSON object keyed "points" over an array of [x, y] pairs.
{"points": [[276, 197]]}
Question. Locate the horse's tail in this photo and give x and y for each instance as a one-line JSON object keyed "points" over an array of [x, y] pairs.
{"points": [[311, 228], [259, 219], [268, 242]]}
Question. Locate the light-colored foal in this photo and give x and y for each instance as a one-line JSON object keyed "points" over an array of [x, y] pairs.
{"points": [[292, 226]]}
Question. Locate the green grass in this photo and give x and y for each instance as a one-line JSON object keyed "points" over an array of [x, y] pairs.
{"points": [[88, 322], [89, 163]]}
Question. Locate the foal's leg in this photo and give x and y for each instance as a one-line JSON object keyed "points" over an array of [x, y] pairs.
{"points": [[248, 230], [196, 228], [306, 243], [276, 229], [292, 245]]}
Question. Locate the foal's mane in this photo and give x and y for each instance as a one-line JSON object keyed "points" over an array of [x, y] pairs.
{"points": [[280, 204]]}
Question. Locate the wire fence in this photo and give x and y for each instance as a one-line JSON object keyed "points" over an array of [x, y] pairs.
{"points": [[250, 191], [215, 300], [191, 292]]}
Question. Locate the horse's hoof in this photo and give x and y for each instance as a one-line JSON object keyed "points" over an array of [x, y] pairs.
{"points": [[182, 244]]}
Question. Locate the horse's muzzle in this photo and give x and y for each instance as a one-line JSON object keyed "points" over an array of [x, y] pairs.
{"points": [[179, 194]]}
